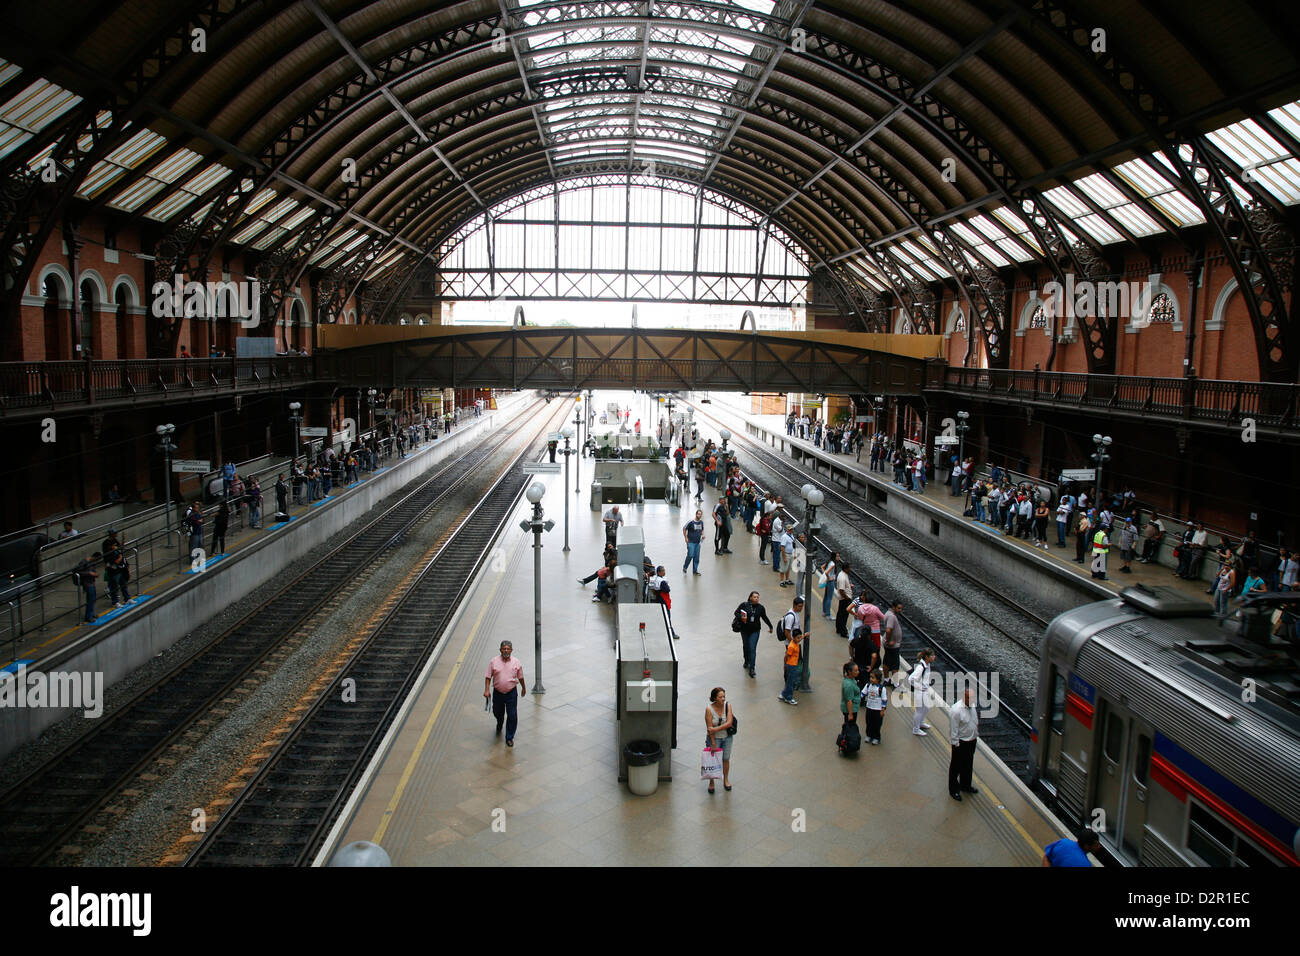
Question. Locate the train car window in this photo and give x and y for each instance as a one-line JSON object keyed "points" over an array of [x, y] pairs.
{"points": [[1218, 844], [1114, 737], [1058, 702], [1143, 759]]}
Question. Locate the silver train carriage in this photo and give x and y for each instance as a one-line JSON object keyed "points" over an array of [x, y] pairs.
{"points": [[1176, 736]]}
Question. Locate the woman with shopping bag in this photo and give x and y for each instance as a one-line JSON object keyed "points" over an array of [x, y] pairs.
{"points": [[720, 727]]}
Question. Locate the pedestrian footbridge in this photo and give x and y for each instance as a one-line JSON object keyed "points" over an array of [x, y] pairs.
{"points": [[567, 359]]}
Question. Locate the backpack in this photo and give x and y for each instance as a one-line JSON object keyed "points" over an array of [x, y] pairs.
{"points": [[764, 526], [849, 740]]}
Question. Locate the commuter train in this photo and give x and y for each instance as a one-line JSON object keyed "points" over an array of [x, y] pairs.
{"points": [[1175, 736]]}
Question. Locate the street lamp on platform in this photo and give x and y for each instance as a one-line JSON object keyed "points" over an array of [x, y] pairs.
{"points": [[1100, 457], [537, 524], [577, 424], [165, 446], [372, 393], [295, 416], [567, 432], [963, 426], [813, 499]]}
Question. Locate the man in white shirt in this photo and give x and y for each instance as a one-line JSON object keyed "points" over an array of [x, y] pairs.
{"points": [[843, 590], [787, 552], [799, 562], [1198, 552], [612, 520], [964, 726], [1063, 520]]}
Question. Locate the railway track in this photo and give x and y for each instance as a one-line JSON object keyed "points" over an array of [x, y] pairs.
{"points": [[1007, 732], [46, 809], [284, 813]]}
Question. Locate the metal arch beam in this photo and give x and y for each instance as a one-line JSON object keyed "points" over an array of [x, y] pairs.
{"points": [[987, 298], [30, 208], [1258, 246]]}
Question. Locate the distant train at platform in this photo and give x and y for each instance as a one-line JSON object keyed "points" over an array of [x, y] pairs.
{"points": [[1174, 735]]}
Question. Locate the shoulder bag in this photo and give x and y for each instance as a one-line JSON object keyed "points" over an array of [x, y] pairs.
{"points": [[735, 722]]}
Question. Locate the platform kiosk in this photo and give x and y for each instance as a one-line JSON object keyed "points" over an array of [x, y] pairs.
{"points": [[631, 546], [646, 685]]}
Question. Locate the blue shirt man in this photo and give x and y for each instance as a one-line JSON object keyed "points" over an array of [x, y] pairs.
{"points": [[1072, 852], [693, 532]]}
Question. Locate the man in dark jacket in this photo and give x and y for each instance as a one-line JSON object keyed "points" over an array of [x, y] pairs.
{"points": [[751, 616]]}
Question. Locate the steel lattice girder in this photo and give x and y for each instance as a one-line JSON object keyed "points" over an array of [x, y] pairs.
{"points": [[985, 293], [1258, 245], [571, 359]]}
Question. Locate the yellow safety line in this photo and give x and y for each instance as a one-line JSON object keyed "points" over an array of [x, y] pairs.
{"points": [[1002, 806], [433, 717]]}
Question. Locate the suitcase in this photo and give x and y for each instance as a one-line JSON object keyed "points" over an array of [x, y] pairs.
{"points": [[850, 740]]}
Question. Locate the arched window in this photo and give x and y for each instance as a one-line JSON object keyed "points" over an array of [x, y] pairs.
{"points": [[960, 324], [52, 290], [297, 317], [1039, 319], [87, 330], [122, 301], [1162, 308]]}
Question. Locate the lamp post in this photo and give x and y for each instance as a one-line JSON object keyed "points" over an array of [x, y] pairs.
{"points": [[295, 416], [813, 499], [567, 432], [371, 393], [577, 424], [1100, 457], [537, 525], [963, 426], [165, 446]]}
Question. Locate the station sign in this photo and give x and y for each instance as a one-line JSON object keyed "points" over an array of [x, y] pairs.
{"points": [[946, 440], [194, 465], [1079, 474], [864, 419], [541, 468], [314, 432], [554, 436], [385, 412]]}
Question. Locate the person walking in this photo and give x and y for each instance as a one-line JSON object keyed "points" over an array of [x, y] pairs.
{"points": [[844, 590], [1224, 587], [86, 575], [693, 533], [281, 496], [254, 502], [721, 527], [613, 518], [1128, 537], [788, 628], [227, 478], [893, 639], [826, 582], [919, 680], [747, 621], [964, 726], [1100, 548], [504, 683], [850, 693], [1081, 535], [194, 522], [719, 728], [219, 525], [1067, 852], [875, 701]]}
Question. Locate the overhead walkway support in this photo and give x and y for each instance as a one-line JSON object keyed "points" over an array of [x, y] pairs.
{"points": [[568, 359]]}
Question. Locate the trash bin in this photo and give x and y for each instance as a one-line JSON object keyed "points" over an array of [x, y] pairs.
{"points": [[596, 492], [643, 758]]}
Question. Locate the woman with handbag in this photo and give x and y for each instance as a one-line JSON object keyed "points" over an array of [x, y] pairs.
{"points": [[720, 726]]}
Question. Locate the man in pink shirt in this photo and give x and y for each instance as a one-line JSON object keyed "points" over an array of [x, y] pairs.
{"points": [[504, 682]]}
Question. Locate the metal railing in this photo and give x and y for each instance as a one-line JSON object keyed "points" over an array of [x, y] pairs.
{"points": [[1213, 400], [28, 385]]}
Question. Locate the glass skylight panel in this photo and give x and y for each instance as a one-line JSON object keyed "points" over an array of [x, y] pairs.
{"points": [[156, 180], [29, 112], [260, 200], [188, 192], [1067, 202], [1157, 186], [298, 218], [1266, 160], [126, 157], [249, 231], [1098, 228]]}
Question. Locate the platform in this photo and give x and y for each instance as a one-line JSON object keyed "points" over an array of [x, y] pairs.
{"points": [[937, 495], [442, 778]]}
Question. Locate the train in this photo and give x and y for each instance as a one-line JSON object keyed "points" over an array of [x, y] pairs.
{"points": [[1174, 734]]}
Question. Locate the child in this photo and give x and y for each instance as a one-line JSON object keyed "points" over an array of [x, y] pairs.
{"points": [[875, 700]]}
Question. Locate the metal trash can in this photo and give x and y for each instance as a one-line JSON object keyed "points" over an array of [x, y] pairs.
{"points": [[643, 758], [596, 493]]}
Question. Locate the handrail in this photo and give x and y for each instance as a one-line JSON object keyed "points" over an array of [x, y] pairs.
{"points": [[1191, 398]]}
